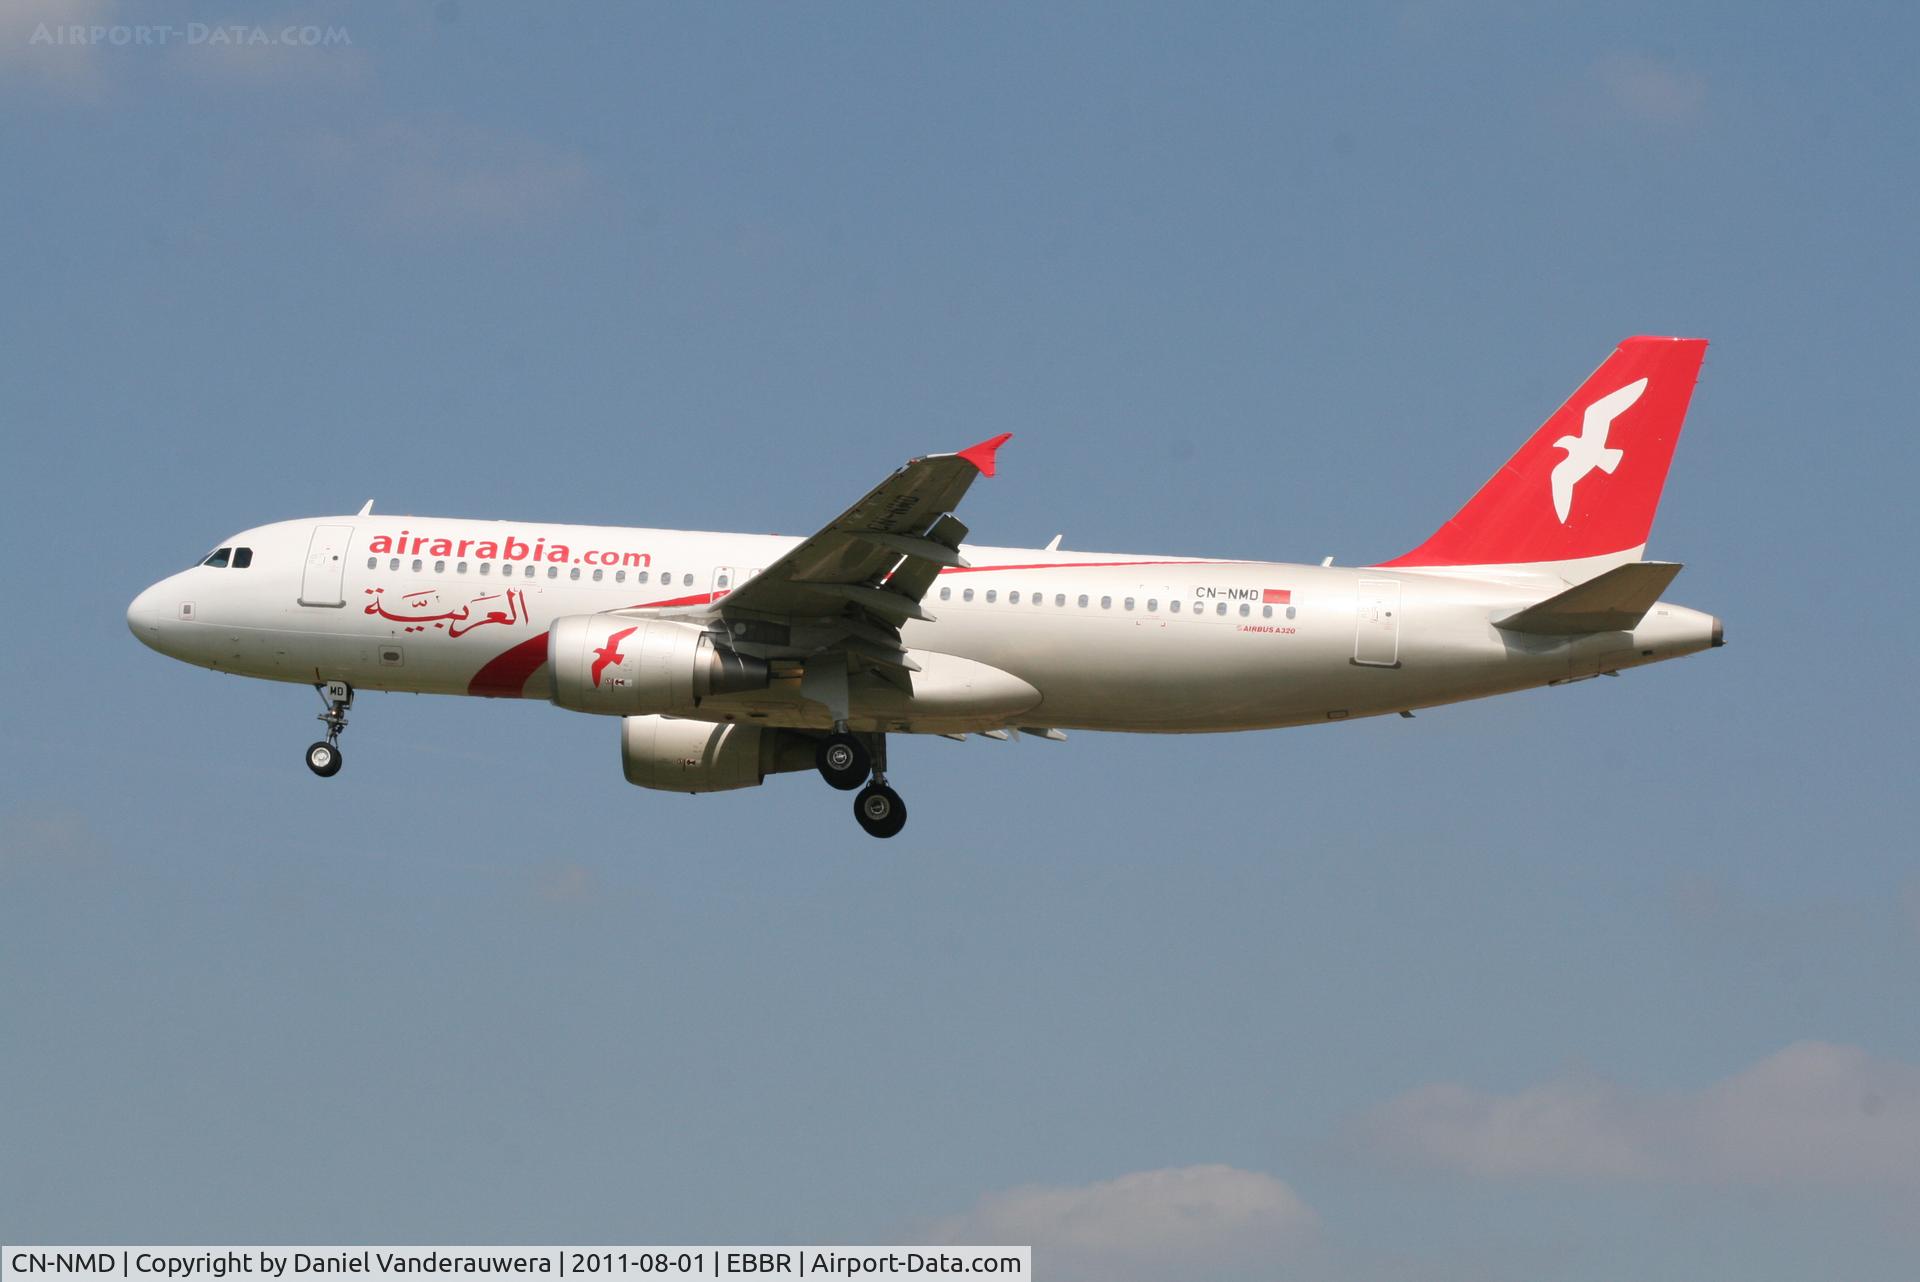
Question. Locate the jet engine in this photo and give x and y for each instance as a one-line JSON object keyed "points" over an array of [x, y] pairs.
{"points": [[699, 756], [610, 664]]}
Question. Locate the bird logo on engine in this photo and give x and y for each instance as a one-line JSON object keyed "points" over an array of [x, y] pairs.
{"points": [[609, 654]]}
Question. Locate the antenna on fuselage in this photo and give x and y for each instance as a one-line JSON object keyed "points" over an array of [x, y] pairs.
{"points": [[366, 509], [1054, 546]]}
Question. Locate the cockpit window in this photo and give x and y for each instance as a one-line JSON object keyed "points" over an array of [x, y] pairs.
{"points": [[242, 558], [218, 560]]}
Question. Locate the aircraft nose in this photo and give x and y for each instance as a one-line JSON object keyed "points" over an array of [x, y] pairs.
{"points": [[145, 614]]}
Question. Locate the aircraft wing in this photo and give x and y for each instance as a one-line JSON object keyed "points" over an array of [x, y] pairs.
{"points": [[864, 575], [857, 560]]}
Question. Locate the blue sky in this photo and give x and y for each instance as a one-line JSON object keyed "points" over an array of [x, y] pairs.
{"points": [[1613, 980]]}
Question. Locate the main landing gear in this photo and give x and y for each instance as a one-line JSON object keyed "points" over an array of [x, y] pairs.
{"points": [[843, 760], [323, 758], [846, 761], [879, 809]]}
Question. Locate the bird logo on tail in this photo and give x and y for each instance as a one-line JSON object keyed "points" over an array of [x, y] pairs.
{"points": [[1589, 450]]}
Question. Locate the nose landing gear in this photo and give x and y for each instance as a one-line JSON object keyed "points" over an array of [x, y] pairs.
{"points": [[323, 758]]}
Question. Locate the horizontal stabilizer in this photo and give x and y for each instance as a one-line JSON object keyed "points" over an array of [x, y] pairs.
{"points": [[1613, 602]]}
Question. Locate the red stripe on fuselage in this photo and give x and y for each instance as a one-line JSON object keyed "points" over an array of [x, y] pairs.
{"points": [[1074, 565], [505, 675], [702, 599]]}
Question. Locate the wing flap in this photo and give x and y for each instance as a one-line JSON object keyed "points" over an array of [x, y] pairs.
{"points": [[908, 545]]}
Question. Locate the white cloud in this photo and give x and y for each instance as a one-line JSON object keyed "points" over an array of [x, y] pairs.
{"points": [[70, 46], [39, 42], [1651, 91], [274, 53], [433, 172], [1186, 1221], [1812, 1114]]}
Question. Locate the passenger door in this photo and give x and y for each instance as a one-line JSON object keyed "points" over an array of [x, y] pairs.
{"points": [[1376, 636], [325, 577]]}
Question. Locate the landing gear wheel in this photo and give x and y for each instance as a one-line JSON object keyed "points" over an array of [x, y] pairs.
{"points": [[880, 810], [843, 761], [323, 759]]}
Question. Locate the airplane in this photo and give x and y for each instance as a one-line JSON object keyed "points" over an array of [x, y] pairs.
{"points": [[731, 657]]}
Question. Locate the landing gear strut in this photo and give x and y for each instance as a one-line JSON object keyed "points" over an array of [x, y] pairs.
{"points": [[323, 758], [846, 761]]}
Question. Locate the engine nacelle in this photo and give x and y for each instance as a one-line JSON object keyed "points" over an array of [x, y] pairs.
{"points": [[617, 666], [699, 756]]}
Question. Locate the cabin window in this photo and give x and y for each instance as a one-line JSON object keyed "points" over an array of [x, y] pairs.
{"points": [[721, 581], [619, 576], [1038, 598], [1106, 603], [641, 577], [486, 567], [1245, 609], [529, 571], [1173, 607], [1289, 612], [416, 565], [553, 571], [1083, 600], [394, 563], [686, 580], [598, 575], [218, 558], [373, 563], [460, 567], [574, 573], [439, 567], [1153, 605], [242, 558], [967, 595], [1221, 609], [1266, 612], [993, 594], [1127, 604], [1060, 599], [1013, 598], [946, 594]]}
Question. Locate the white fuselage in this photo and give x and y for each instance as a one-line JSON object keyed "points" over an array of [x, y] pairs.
{"points": [[1095, 641]]}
